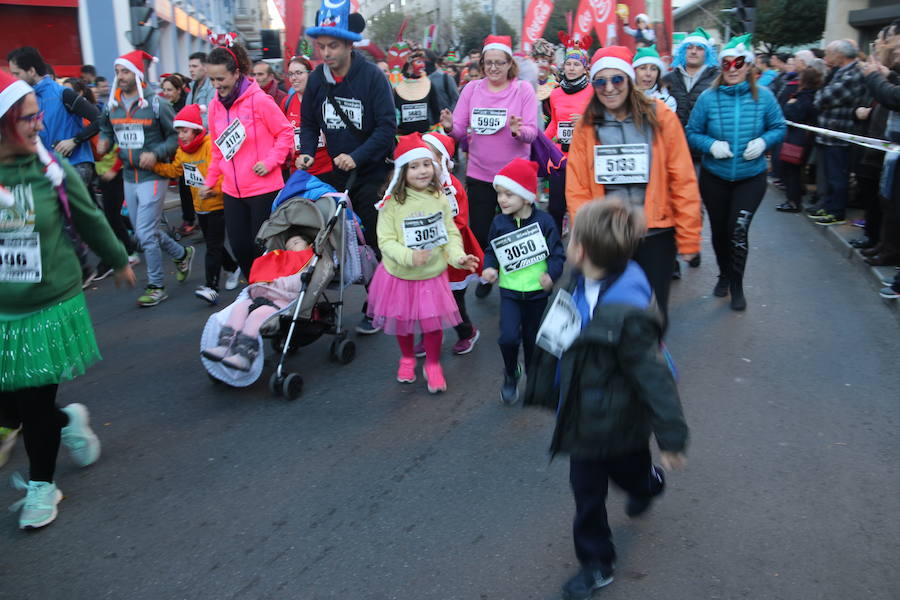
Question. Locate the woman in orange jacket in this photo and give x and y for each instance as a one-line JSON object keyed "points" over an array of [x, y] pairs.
{"points": [[634, 146]]}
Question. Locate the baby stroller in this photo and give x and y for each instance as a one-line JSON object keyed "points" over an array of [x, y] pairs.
{"points": [[318, 308]]}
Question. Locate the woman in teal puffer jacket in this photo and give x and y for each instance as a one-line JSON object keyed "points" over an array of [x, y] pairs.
{"points": [[732, 124]]}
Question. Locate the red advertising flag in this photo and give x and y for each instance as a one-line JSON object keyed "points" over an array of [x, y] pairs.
{"points": [[584, 20], [535, 22], [604, 18]]}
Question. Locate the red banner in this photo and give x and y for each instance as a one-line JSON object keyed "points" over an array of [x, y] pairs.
{"points": [[535, 22], [604, 18], [584, 20]]}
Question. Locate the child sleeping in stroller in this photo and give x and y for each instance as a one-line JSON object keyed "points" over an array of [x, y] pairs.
{"points": [[274, 283]]}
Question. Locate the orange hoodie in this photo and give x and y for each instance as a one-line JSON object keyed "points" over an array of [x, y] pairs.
{"points": [[200, 159], [672, 198]]}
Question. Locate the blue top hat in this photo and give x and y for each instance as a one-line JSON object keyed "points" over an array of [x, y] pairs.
{"points": [[334, 19]]}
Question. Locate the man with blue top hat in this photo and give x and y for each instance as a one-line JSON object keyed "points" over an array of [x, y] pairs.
{"points": [[350, 102]]}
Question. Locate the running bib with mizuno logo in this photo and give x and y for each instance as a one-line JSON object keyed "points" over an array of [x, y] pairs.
{"points": [[521, 248], [564, 131], [129, 136], [231, 139], [20, 257], [425, 233], [192, 175], [488, 121], [413, 113], [621, 163]]}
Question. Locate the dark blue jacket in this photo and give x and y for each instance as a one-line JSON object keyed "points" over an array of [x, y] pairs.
{"points": [[503, 224], [364, 86]]}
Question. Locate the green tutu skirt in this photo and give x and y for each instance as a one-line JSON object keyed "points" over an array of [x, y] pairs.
{"points": [[47, 347]]}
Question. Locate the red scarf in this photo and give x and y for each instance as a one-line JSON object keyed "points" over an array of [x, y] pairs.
{"points": [[195, 145]]}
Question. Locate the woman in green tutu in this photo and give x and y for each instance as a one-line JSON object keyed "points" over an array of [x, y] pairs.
{"points": [[46, 334]]}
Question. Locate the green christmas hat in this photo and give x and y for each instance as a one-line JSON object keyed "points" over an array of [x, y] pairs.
{"points": [[647, 56], [452, 56], [699, 37], [739, 46]]}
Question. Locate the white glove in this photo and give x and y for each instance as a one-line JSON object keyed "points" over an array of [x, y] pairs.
{"points": [[720, 150], [754, 149]]}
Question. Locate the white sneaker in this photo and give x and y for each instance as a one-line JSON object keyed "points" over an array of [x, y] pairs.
{"points": [[77, 436], [39, 504], [207, 293], [7, 443], [232, 279], [134, 259]]}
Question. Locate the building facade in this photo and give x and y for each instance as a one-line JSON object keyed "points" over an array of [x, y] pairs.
{"points": [[859, 20]]}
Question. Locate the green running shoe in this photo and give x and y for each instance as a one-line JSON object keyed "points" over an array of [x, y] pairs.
{"points": [[183, 266], [39, 504], [152, 296]]}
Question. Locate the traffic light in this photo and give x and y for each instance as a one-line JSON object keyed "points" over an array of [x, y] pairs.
{"points": [[143, 32], [745, 13], [271, 43]]}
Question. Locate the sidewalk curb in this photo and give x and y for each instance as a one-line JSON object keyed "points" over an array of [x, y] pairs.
{"points": [[833, 233]]}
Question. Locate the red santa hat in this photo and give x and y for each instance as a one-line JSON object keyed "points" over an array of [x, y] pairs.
{"points": [[134, 62], [190, 116], [409, 148], [612, 57], [519, 177], [12, 90], [498, 42], [445, 146]]}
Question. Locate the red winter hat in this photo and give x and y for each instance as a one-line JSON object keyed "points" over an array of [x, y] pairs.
{"points": [[409, 148], [190, 116], [134, 62], [613, 57], [498, 42], [442, 143], [520, 178], [12, 90]]}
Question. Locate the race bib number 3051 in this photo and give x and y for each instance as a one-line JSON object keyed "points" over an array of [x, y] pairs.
{"points": [[521, 248], [425, 233], [231, 139], [488, 121], [622, 163], [20, 257]]}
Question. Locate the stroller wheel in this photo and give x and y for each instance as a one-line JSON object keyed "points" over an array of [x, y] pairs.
{"points": [[275, 383], [292, 386], [345, 352]]}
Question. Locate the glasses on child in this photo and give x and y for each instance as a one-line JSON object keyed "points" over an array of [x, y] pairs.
{"points": [[616, 80], [33, 119], [733, 63]]}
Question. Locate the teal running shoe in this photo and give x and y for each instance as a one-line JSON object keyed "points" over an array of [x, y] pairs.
{"points": [[78, 438], [39, 504]]}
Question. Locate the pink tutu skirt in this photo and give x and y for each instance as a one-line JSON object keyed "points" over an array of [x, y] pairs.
{"points": [[406, 307]]}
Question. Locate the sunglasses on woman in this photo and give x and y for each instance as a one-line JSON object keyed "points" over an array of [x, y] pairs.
{"points": [[616, 80], [733, 63], [33, 118]]}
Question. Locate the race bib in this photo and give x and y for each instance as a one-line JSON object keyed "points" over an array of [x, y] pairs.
{"points": [[20, 257], [520, 248], [561, 325], [351, 106], [564, 131], [451, 198], [488, 121], [321, 140], [621, 163], [411, 113], [129, 136], [297, 139], [192, 175], [231, 139], [425, 233]]}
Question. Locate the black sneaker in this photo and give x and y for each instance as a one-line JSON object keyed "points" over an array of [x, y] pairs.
{"points": [[695, 262], [721, 289], [483, 289], [366, 327], [676, 272], [588, 580], [636, 506], [509, 393], [103, 271]]}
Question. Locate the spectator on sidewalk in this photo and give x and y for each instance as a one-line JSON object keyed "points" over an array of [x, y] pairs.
{"points": [[835, 102], [89, 74], [268, 81], [693, 70], [202, 91], [799, 108], [766, 73]]}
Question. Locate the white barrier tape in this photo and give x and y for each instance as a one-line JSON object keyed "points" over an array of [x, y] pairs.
{"points": [[859, 140]]}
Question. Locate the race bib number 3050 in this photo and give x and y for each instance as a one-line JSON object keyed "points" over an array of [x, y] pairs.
{"points": [[488, 121], [521, 248], [621, 163], [20, 257], [425, 233], [231, 139]]}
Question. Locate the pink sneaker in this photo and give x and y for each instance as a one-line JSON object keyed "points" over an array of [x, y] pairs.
{"points": [[434, 377], [406, 373], [465, 346], [419, 349]]}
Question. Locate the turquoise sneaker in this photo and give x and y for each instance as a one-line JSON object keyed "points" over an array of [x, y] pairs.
{"points": [[39, 504], [78, 438]]}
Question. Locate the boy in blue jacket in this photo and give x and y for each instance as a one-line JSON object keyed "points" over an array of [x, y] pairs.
{"points": [[526, 254], [600, 368]]}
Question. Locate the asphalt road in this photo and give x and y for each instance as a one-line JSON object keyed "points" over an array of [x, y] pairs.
{"points": [[367, 489]]}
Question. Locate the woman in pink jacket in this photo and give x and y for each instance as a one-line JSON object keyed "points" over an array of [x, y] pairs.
{"points": [[498, 116], [251, 138]]}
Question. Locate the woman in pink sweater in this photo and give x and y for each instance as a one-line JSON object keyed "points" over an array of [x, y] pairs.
{"points": [[498, 116], [251, 139], [567, 102]]}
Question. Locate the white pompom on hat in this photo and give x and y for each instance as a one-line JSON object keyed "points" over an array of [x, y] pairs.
{"points": [[519, 177]]}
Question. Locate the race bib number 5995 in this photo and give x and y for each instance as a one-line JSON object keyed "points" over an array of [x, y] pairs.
{"points": [[488, 121]]}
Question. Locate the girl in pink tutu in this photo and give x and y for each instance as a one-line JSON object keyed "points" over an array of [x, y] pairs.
{"points": [[410, 292]]}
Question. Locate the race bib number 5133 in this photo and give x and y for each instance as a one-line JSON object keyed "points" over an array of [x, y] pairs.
{"points": [[621, 163]]}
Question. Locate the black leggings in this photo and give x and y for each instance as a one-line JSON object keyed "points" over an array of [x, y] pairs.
{"points": [[656, 255], [464, 329], [792, 177], [212, 224], [366, 192], [187, 202], [243, 218], [113, 192], [482, 208], [731, 206], [42, 420]]}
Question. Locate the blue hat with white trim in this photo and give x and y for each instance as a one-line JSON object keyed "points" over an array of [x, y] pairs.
{"points": [[335, 19]]}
